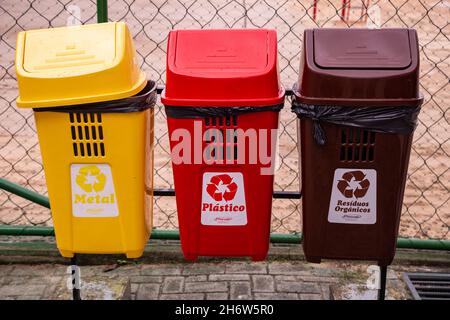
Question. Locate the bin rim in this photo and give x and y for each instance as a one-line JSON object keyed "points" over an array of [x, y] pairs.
{"points": [[217, 103], [348, 102], [57, 103], [134, 103]]}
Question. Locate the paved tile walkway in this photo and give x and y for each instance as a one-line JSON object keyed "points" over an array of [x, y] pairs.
{"points": [[201, 280]]}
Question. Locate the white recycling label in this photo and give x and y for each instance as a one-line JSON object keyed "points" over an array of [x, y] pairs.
{"points": [[93, 193], [353, 197], [223, 199]]}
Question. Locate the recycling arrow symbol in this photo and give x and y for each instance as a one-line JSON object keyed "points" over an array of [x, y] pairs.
{"points": [[222, 187], [353, 184], [91, 178]]}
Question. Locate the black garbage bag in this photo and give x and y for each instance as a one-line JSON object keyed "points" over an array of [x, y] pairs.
{"points": [[185, 112], [391, 119], [145, 99]]}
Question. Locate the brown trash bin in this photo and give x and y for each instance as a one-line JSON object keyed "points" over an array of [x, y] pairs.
{"points": [[357, 100]]}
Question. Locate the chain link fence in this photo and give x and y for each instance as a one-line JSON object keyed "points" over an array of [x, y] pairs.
{"points": [[426, 210]]}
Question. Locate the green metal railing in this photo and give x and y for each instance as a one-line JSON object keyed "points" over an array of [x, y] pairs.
{"points": [[24, 193], [42, 231], [102, 11], [294, 238]]}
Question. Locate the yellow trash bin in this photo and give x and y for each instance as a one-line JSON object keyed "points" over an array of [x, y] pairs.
{"points": [[93, 109]]}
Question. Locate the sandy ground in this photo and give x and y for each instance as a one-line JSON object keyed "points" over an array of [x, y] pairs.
{"points": [[426, 211]]}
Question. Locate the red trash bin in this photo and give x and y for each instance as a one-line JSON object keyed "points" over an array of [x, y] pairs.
{"points": [[222, 99], [358, 100]]}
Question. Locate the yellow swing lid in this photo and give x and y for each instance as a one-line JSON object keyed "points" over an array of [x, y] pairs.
{"points": [[76, 65]]}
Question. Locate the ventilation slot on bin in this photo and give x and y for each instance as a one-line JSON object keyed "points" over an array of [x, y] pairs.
{"points": [[357, 145], [221, 138], [87, 134]]}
